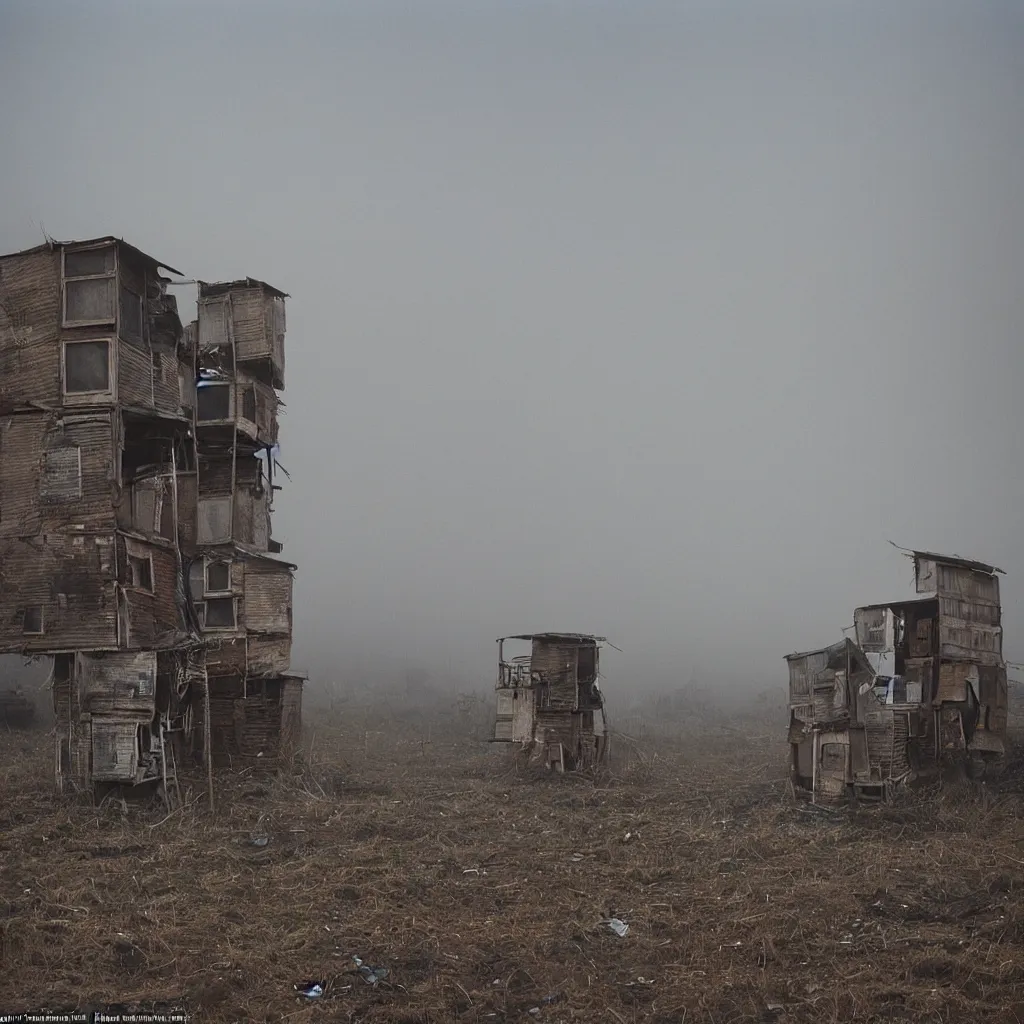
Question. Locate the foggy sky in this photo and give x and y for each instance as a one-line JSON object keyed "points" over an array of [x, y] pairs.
{"points": [[651, 320]]}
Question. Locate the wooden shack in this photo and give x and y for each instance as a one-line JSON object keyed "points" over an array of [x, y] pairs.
{"points": [[923, 687], [550, 701]]}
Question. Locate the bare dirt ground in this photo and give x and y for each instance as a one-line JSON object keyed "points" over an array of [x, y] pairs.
{"points": [[481, 886]]}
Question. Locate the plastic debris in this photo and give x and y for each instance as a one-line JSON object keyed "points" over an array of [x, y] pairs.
{"points": [[619, 927], [310, 989], [371, 975]]}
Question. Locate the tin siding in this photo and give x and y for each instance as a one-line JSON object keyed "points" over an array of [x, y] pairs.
{"points": [[268, 655], [187, 509], [166, 371], [964, 641], [32, 499], [556, 662], [252, 341], [267, 604], [71, 577], [118, 683], [114, 750], [21, 438], [94, 510], [30, 296], [134, 376]]}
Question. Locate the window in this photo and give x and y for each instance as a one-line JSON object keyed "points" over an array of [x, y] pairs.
{"points": [[130, 323], [32, 620], [90, 286], [60, 476], [213, 402], [218, 577], [249, 404], [214, 323], [220, 613], [140, 572], [86, 367], [214, 520]]}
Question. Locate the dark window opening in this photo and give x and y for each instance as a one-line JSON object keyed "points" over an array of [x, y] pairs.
{"points": [[587, 664], [220, 613], [213, 402], [249, 404], [32, 619], [130, 327], [218, 577], [86, 367], [140, 573]]}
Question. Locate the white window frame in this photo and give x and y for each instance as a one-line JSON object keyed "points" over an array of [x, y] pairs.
{"points": [[111, 275], [41, 631], [207, 590], [234, 616], [86, 396], [133, 583]]}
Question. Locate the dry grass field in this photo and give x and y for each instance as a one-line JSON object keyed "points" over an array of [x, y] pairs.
{"points": [[484, 887]]}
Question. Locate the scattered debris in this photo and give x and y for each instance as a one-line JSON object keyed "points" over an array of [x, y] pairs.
{"points": [[619, 927], [310, 989], [371, 975]]}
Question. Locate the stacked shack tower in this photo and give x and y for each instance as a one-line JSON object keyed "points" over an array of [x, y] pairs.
{"points": [[102, 506], [923, 686], [241, 592], [550, 700]]}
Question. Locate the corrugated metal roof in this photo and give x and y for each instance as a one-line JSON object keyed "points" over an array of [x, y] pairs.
{"points": [[893, 605], [554, 636], [963, 563], [210, 289]]}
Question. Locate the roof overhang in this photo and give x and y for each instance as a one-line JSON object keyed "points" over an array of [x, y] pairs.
{"points": [[211, 289], [955, 560], [87, 243], [569, 637]]}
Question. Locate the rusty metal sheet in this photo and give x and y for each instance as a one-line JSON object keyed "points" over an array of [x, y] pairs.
{"points": [[934, 576], [954, 679], [969, 641]]}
